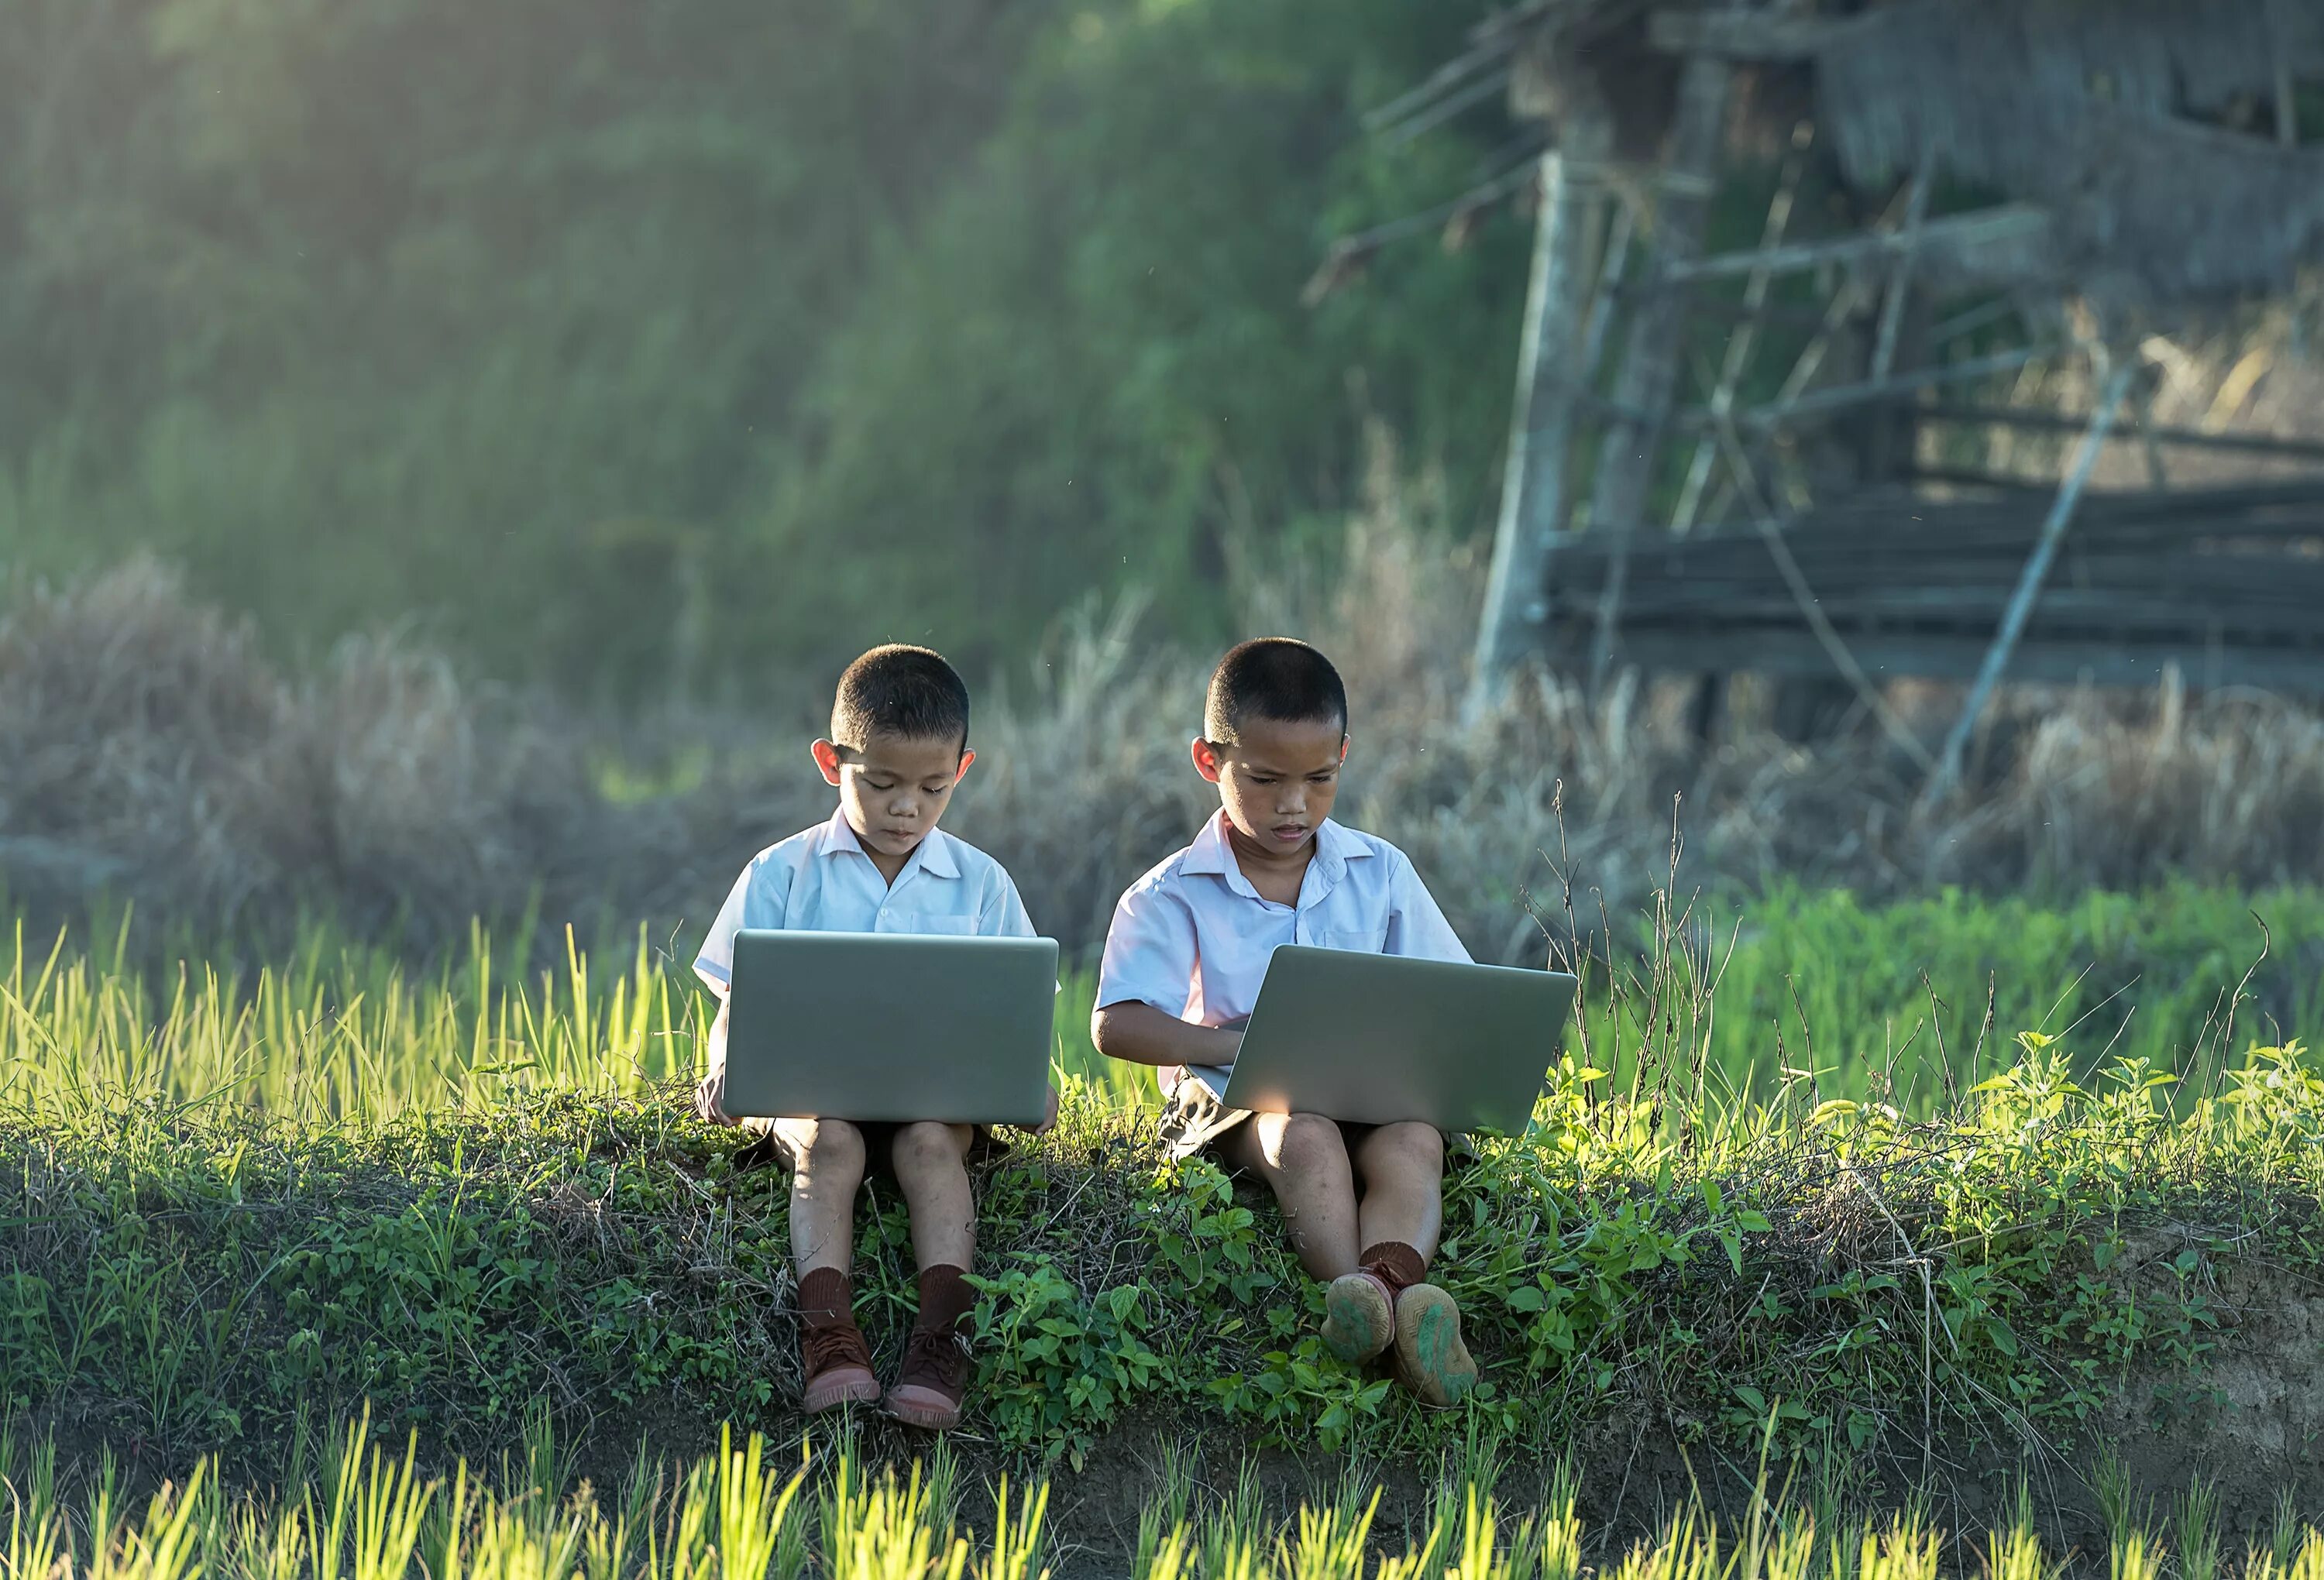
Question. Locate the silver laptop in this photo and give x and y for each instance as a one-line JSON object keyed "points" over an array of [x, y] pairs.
{"points": [[887, 1026], [1374, 1038]]}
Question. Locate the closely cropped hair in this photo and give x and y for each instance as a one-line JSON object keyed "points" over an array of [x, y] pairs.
{"points": [[1272, 678], [901, 691]]}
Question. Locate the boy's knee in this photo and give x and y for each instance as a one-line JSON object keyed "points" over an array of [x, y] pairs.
{"points": [[828, 1147], [928, 1145], [1306, 1143], [1413, 1146]]}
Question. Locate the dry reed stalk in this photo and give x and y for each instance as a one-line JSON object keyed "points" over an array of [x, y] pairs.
{"points": [[149, 750]]}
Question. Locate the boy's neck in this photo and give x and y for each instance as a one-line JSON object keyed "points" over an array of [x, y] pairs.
{"points": [[1281, 870], [890, 867]]}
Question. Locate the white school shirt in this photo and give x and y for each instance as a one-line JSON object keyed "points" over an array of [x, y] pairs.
{"points": [[1193, 937], [820, 880]]}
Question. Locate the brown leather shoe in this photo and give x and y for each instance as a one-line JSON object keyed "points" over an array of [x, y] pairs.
{"points": [[933, 1378], [836, 1366]]}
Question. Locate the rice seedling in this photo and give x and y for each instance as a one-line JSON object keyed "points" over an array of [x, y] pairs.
{"points": [[730, 1518]]}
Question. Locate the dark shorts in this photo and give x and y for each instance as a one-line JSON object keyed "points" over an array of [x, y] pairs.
{"points": [[769, 1147]]}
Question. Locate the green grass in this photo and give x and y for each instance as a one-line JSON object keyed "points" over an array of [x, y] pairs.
{"points": [[1925, 994], [747, 1510], [1922, 998], [240, 1200]]}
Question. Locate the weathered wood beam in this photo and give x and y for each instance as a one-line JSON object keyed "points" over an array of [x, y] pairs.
{"points": [[1538, 479], [1647, 383], [1971, 243], [1744, 339], [2056, 423], [1488, 56], [1840, 397], [2029, 585], [1742, 35], [1794, 651]]}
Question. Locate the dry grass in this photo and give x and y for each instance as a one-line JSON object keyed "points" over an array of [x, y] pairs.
{"points": [[149, 752]]}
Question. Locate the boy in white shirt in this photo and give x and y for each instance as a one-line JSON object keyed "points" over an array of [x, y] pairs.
{"points": [[899, 745], [1183, 961]]}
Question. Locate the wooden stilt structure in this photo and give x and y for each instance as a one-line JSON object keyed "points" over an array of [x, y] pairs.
{"points": [[2158, 196]]}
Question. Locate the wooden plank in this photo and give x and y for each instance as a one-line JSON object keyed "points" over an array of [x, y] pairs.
{"points": [[1537, 483], [1901, 387], [1647, 380], [1796, 652], [2059, 422], [1741, 36], [1954, 242]]}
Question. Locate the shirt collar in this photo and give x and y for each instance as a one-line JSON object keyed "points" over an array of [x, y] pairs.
{"points": [[933, 855], [1335, 847]]}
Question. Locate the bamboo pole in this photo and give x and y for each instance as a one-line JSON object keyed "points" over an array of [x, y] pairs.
{"points": [[2029, 585], [1835, 646], [1537, 476], [1745, 339]]}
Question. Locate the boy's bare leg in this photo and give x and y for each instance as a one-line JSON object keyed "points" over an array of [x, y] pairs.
{"points": [[1403, 1171], [931, 1165], [1304, 1159], [827, 1168], [1403, 1167]]}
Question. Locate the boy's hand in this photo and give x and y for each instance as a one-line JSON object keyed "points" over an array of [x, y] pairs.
{"points": [[1234, 1027], [706, 1095], [1049, 1120]]}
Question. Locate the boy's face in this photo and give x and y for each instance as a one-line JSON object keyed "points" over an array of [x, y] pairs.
{"points": [[1276, 782], [893, 789]]}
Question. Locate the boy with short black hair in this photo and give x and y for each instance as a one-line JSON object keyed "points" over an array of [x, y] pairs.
{"points": [[898, 744], [1183, 961]]}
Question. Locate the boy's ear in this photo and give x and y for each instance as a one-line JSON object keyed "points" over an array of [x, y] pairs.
{"points": [[1343, 746], [826, 758], [1206, 759], [967, 758]]}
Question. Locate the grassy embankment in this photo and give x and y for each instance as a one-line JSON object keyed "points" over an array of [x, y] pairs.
{"points": [[243, 1204]]}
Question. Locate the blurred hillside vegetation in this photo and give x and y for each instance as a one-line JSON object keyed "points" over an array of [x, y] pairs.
{"points": [[637, 345]]}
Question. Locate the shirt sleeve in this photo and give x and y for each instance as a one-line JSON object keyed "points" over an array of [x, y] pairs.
{"points": [[1150, 951], [1415, 926], [756, 900], [1004, 914]]}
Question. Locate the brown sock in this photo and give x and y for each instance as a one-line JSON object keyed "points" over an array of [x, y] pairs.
{"points": [[824, 1300], [1394, 1264], [946, 1297]]}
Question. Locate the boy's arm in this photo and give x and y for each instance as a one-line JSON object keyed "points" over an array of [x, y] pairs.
{"points": [[1139, 1033], [714, 964], [1145, 981], [1002, 913], [1416, 926], [710, 1093]]}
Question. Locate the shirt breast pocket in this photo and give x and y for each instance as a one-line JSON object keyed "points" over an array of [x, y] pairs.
{"points": [[940, 926], [1355, 940]]}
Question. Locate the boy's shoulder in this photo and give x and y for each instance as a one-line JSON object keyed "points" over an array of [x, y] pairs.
{"points": [[792, 848], [948, 854], [1354, 844], [1207, 853], [1189, 857]]}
